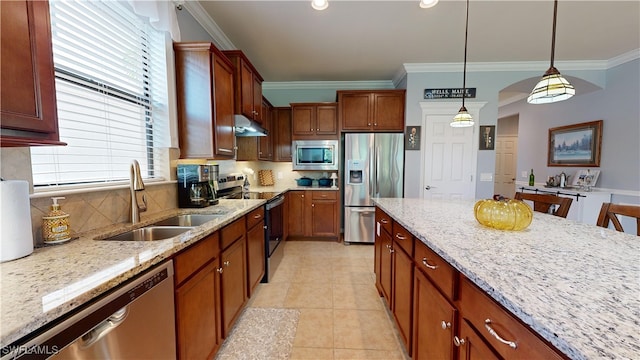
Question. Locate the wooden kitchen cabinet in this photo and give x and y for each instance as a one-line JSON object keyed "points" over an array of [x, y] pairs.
{"points": [[318, 213], [281, 128], [197, 297], [28, 110], [204, 83], [472, 346], [371, 110], [254, 148], [248, 86], [403, 293], [314, 121], [382, 254], [233, 283], [255, 249]]}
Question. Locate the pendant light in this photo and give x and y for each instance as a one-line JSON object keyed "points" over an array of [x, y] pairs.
{"points": [[464, 119], [319, 4], [552, 87]]}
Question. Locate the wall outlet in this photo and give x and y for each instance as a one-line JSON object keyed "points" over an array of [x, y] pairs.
{"points": [[524, 174], [279, 175]]}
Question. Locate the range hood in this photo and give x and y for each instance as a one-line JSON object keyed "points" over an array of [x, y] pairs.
{"points": [[247, 127]]}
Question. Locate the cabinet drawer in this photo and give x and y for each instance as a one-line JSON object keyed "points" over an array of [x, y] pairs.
{"points": [[477, 307], [384, 220], [437, 270], [255, 217], [196, 256], [403, 238], [232, 232], [324, 195]]}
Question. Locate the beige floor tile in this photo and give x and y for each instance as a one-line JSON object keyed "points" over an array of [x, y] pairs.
{"points": [[309, 295], [363, 329], [358, 297], [301, 353], [350, 274], [355, 354], [315, 329], [271, 295], [313, 274]]}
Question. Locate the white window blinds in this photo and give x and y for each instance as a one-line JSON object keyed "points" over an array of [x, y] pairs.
{"points": [[111, 93]]}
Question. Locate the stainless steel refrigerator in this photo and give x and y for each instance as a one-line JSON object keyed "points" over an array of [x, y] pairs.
{"points": [[373, 167]]}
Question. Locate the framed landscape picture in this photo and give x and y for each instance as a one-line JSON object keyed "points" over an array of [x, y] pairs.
{"points": [[575, 145]]}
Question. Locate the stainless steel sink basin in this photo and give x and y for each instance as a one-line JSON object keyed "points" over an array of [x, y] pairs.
{"points": [[188, 220], [150, 233]]}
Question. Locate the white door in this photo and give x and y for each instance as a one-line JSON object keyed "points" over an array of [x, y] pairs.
{"points": [[450, 154], [506, 158]]}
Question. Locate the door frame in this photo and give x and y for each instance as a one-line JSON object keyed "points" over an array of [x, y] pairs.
{"points": [[451, 108]]}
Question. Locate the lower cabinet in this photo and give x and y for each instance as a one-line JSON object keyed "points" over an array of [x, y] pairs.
{"points": [[403, 294], [472, 346], [317, 213], [233, 282], [255, 249]]}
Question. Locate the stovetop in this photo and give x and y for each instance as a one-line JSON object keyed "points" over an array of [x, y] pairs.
{"points": [[259, 195]]}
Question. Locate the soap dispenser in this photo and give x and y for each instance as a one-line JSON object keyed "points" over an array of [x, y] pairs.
{"points": [[55, 226]]}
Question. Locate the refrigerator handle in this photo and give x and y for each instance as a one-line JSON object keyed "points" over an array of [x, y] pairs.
{"points": [[372, 171], [376, 189]]}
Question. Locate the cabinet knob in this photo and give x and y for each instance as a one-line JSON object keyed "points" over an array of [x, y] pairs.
{"points": [[445, 325], [313, 205], [220, 270], [226, 263], [458, 341], [368, 124]]}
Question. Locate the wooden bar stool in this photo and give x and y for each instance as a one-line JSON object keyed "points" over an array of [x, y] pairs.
{"points": [[544, 202], [608, 212]]}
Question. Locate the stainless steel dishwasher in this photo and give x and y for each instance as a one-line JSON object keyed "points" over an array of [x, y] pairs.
{"points": [[136, 321]]}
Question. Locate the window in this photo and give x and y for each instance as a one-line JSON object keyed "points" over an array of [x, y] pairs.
{"points": [[111, 93]]}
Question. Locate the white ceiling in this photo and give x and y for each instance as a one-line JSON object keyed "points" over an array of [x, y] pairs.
{"points": [[371, 40]]}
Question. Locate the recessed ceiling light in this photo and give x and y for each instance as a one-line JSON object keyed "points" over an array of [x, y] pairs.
{"points": [[319, 4], [425, 4]]}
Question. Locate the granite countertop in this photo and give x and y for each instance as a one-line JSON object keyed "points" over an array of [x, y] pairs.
{"points": [[57, 279], [575, 284]]}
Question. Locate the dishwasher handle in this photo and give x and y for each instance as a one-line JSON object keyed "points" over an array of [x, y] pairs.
{"points": [[101, 330]]}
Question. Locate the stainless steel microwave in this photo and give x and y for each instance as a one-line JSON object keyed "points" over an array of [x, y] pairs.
{"points": [[315, 155]]}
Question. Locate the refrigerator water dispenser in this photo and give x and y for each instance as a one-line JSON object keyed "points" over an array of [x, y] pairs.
{"points": [[356, 172]]}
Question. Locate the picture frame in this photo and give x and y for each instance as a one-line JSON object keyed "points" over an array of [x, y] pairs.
{"points": [[586, 178], [575, 145], [487, 137], [412, 136]]}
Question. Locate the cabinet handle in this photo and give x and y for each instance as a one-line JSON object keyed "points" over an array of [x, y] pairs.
{"points": [[257, 216], [220, 270], [512, 344], [384, 221], [226, 263], [400, 236], [425, 263], [458, 341], [445, 325]]}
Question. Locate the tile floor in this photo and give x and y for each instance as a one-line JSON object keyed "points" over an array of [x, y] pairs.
{"points": [[341, 314]]}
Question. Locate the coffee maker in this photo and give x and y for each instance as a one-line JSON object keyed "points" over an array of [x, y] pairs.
{"points": [[197, 185]]}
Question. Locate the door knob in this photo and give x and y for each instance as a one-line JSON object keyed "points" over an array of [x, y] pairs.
{"points": [[428, 187]]}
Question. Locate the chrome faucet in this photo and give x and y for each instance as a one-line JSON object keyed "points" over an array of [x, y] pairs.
{"points": [[135, 185]]}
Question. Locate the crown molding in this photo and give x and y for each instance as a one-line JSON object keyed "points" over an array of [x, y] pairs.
{"points": [[505, 66], [331, 85], [621, 59], [200, 14]]}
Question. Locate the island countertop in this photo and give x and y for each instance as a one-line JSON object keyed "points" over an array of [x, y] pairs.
{"points": [[576, 285], [58, 279]]}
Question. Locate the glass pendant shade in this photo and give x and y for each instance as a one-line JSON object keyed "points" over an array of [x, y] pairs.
{"points": [[462, 119], [319, 4], [551, 88], [425, 4]]}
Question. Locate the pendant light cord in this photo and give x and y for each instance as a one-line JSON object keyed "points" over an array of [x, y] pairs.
{"points": [[553, 32], [464, 72]]}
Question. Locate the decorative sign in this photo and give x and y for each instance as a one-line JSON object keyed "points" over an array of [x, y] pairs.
{"points": [[453, 93]]}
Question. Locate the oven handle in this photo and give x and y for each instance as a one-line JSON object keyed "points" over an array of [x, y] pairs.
{"points": [[276, 201]]}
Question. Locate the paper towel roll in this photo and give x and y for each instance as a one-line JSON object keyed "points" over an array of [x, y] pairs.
{"points": [[16, 237]]}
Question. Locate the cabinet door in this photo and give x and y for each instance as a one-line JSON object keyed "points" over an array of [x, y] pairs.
{"points": [[233, 284], [471, 346], [296, 206], [258, 111], [354, 111], [324, 214], [282, 133], [433, 322], [265, 143], [28, 94], [255, 256], [386, 265], [223, 107], [388, 111], [302, 120], [246, 90], [197, 316], [403, 294], [327, 120]]}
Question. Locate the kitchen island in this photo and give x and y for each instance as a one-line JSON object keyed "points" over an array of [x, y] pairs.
{"points": [[59, 279], [575, 285]]}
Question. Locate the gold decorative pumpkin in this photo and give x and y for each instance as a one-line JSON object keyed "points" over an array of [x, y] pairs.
{"points": [[503, 214]]}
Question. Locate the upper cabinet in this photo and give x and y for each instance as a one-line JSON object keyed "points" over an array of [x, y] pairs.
{"points": [[371, 110], [204, 83], [253, 148], [248, 86], [314, 121], [28, 113], [281, 129]]}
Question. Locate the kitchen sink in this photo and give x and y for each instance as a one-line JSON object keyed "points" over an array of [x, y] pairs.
{"points": [[150, 233], [188, 220]]}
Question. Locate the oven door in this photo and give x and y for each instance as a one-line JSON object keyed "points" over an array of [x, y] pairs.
{"points": [[275, 223]]}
